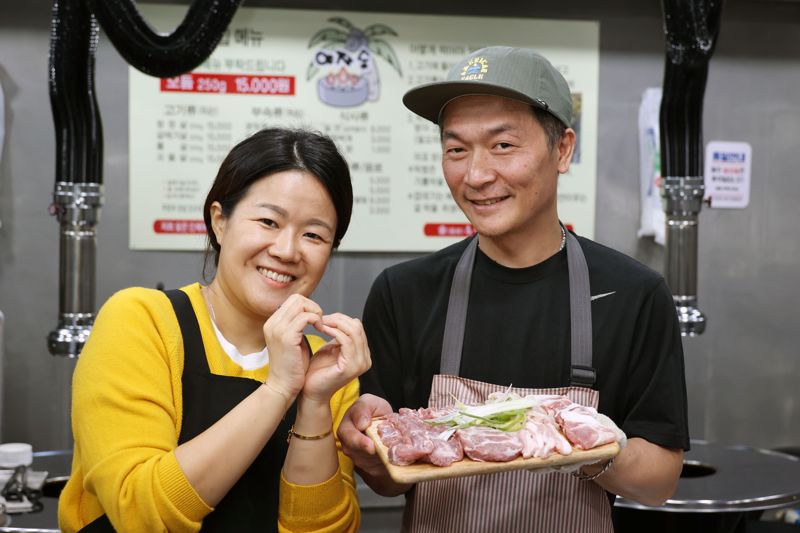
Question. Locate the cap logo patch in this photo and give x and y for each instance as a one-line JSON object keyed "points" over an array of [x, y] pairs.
{"points": [[475, 69]]}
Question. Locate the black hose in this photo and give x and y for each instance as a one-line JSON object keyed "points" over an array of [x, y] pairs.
{"points": [[94, 130], [164, 56], [67, 56], [691, 28], [73, 46], [79, 132]]}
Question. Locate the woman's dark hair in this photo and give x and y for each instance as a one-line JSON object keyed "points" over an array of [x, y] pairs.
{"points": [[274, 150]]}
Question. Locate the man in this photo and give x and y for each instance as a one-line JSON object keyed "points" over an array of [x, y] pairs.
{"points": [[527, 304]]}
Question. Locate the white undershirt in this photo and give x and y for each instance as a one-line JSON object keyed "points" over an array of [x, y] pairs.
{"points": [[250, 361]]}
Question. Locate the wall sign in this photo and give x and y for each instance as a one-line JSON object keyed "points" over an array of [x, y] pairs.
{"points": [[727, 176], [344, 74]]}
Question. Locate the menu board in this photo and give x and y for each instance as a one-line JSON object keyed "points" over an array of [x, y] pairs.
{"points": [[342, 73]]}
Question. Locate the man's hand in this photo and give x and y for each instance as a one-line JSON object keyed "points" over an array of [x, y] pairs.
{"points": [[360, 448]]}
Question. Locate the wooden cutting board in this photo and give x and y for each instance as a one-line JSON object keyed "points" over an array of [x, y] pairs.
{"points": [[467, 467]]}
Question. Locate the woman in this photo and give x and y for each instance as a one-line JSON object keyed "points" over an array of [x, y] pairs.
{"points": [[175, 429]]}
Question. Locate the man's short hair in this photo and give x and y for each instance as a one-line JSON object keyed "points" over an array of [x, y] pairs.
{"points": [[554, 129]]}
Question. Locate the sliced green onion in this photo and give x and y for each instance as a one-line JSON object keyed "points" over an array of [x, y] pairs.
{"points": [[508, 415]]}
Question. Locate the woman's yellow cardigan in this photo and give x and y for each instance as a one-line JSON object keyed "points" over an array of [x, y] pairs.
{"points": [[126, 419]]}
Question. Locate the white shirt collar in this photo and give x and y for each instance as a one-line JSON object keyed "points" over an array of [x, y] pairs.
{"points": [[250, 361]]}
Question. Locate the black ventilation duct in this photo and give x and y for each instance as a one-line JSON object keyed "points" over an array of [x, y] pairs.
{"points": [[78, 192]]}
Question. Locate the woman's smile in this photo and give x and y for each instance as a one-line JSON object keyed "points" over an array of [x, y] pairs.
{"points": [[283, 279]]}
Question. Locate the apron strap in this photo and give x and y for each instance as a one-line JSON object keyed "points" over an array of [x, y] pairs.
{"points": [[194, 353], [582, 374], [101, 524], [580, 315], [456, 319]]}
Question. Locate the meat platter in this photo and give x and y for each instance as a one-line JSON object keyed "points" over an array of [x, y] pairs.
{"points": [[535, 432], [417, 472]]}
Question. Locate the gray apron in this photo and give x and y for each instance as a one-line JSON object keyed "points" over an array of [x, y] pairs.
{"points": [[518, 501]]}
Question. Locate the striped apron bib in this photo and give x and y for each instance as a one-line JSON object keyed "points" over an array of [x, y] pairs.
{"points": [[518, 501]]}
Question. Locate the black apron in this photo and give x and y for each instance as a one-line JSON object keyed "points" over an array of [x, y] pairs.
{"points": [[252, 503]]}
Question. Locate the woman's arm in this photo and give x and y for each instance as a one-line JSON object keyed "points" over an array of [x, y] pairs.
{"points": [[317, 477], [214, 460], [330, 505], [310, 462], [126, 414]]}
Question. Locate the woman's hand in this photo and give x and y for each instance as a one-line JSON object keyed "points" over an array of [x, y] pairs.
{"points": [[340, 361], [288, 352]]}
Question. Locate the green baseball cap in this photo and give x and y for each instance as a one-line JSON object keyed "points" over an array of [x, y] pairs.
{"points": [[516, 73]]}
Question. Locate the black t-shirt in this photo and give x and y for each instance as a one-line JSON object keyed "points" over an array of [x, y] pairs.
{"points": [[518, 333]]}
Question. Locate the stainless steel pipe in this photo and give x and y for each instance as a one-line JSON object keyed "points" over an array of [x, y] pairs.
{"points": [[77, 209], [682, 198]]}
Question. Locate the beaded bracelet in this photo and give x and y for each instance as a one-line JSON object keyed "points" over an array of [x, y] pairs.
{"points": [[292, 433], [584, 477]]}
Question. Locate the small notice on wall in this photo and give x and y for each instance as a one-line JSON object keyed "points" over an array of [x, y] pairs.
{"points": [[727, 176]]}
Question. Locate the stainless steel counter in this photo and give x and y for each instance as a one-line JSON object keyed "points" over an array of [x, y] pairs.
{"points": [[379, 514], [731, 478], [718, 485], [722, 489]]}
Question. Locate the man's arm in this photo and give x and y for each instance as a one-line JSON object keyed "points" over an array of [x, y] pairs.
{"points": [[360, 448], [648, 468], [642, 472]]}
